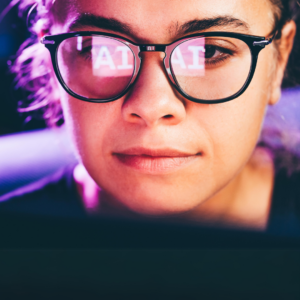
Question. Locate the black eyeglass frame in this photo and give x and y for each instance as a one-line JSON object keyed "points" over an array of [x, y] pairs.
{"points": [[255, 44]]}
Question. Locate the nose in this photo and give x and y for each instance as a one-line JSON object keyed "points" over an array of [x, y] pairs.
{"points": [[152, 100]]}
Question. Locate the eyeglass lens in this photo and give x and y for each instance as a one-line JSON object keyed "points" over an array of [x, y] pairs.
{"points": [[206, 68], [95, 67], [211, 68]]}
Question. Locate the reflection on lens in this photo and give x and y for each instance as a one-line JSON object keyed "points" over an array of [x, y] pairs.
{"points": [[211, 68], [95, 67]]}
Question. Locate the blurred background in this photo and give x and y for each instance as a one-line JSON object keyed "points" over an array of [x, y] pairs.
{"points": [[29, 151], [13, 33]]}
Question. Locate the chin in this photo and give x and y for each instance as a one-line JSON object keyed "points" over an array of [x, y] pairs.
{"points": [[157, 202], [153, 195]]}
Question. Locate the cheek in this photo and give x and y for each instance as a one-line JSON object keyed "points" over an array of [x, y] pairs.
{"points": [[233, 128], [89, 124]]}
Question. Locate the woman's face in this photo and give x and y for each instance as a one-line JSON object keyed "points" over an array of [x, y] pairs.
{"points": [[153, 150]]}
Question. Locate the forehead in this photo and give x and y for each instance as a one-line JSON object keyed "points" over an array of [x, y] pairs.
{"points": [[158, 20]]}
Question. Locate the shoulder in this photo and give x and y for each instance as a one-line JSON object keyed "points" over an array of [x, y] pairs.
{"points": [[54, 195]]}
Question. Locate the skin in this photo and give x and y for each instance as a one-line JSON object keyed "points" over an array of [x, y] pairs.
{"points": [[229, 183]]}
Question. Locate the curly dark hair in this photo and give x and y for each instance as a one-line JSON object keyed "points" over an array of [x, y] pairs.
{"points": [[33, 74], [286, 10]]}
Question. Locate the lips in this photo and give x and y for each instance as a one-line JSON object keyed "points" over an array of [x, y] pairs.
{"points": [[153, 161]]}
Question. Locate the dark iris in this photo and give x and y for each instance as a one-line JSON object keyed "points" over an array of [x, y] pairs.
{"points": [[210, 51]]}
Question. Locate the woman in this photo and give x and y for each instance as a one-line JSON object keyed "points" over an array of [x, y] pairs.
{"points": [[165, 137]]}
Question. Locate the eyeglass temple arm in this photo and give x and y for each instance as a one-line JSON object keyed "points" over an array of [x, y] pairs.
{"points": [[265, 42]]}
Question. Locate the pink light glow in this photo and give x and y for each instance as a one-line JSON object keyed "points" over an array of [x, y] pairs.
{"points": [[87, 187]]}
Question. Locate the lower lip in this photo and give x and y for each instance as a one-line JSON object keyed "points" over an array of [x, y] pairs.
{"points": [[157, 164]]}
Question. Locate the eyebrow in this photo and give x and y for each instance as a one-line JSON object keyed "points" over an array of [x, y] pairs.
{"points": [[91, 20], [204, 24]]}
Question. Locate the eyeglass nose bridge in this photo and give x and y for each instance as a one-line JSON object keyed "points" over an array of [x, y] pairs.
{"points": [[152, 48], [167, 49]]}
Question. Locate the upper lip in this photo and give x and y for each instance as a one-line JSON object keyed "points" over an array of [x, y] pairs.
{"points": [[161, 152]]}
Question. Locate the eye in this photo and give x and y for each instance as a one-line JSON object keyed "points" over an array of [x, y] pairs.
{"points": [[85, 53], [215, 55], [210, 51], [214, 51], [91, 51]]}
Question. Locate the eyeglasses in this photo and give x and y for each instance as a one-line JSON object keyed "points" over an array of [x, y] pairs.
{"points": [[211, 67]]}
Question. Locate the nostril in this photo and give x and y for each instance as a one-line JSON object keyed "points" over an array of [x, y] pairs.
{"points": [[168, 116]]}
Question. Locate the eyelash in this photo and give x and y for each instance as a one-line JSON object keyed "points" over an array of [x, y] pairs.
{"points": [[86, 53]]}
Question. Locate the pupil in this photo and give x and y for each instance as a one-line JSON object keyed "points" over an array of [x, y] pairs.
{"points": [[210, 51]]}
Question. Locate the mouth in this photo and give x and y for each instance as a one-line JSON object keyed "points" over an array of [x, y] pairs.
{"points": [[155, 161]]}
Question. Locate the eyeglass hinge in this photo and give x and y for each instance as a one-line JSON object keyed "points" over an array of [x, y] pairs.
{"points": [[262, 43], [47, 42]]}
